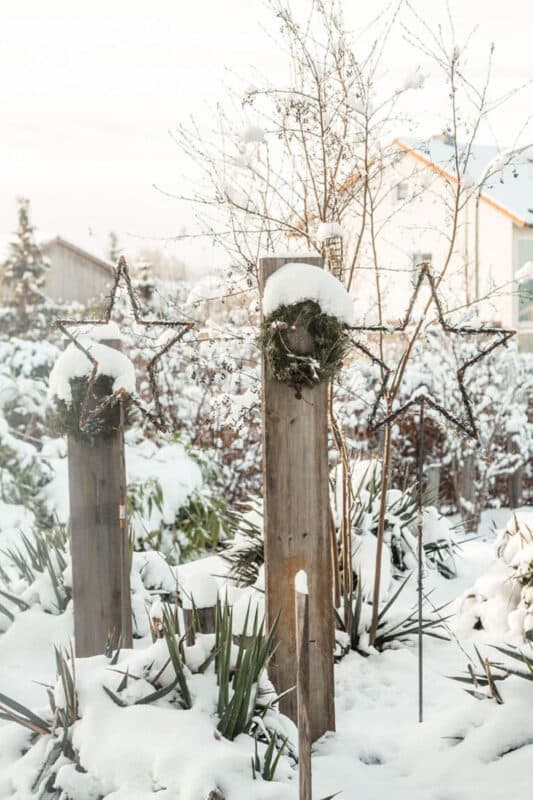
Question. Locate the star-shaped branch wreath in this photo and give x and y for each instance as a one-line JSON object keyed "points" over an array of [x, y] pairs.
{"points": [[467, 424], [89, 413]]}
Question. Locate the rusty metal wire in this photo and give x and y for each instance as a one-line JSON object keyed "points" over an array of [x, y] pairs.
{"points": [[89, 411], [467, 425]]}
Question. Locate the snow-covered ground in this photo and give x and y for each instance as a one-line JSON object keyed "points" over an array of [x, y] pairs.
{"points": [[464, 749]]}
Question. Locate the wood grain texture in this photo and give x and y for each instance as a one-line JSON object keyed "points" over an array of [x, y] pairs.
{"points": [[296, 531], [305, 779], [202, 619], [99, 545]]}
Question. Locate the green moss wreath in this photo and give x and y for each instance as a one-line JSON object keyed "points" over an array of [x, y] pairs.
{"points": [[330, 338], [65, 417]]}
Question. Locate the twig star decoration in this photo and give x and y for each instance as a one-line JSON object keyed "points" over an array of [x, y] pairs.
{"points": [[465, 424], [90, 410]]}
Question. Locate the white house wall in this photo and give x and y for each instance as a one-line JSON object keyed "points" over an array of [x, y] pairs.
{"points": [[422, 224], [495, 265]]}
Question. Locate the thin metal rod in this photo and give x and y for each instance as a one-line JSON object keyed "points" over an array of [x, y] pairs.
{"points": [[420, 587]]}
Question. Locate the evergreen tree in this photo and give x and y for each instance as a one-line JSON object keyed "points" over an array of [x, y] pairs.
{"points": [[25, 268], [114, 248]]}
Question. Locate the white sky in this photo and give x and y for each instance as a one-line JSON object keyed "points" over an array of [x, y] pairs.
{"points": [[90, 90]]}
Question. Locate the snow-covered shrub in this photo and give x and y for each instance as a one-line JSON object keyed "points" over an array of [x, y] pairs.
{"points": [[23, 472], [37, 572], [159, 706], [24, 368], [179, 511], [400, 532], [51, 732], [501, 600], [499, 388], [244, 551], [396, 622], [486, 676]]}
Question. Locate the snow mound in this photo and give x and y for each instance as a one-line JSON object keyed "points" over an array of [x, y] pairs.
{"points": [[73, 363], [328, 230], [501, 600], [208, 289], [294, 283]]}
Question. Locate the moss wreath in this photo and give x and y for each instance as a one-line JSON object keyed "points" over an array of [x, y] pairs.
{"points": [[65, 417], [330, 338]]}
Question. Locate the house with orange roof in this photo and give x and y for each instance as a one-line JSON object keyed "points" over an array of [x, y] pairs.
{"points": [[490, 255]]}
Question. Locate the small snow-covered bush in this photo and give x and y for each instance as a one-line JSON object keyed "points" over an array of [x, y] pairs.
{"points": [[400, 534], [499, 391], [244, 551], [157, 708], [174, 503], [501, 600], [37, 572]]}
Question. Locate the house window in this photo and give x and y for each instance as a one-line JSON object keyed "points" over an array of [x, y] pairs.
{"points": [[402, 190], [525, 286]]}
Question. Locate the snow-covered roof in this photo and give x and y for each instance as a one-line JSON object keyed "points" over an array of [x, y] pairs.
{"points": [[46, 240], [507, 181], [102, 263]]}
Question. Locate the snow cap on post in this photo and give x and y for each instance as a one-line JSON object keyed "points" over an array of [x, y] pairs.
{"points": [[296, 282], [300, 582], [328, 230], [73, 363]]}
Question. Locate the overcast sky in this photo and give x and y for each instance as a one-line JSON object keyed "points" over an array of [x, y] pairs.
{"points": [[90, 90]]}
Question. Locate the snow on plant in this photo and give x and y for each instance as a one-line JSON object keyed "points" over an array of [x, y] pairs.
{"points": [[501, 600], [23, 473], [25, 267], [36, 572], [499, 391], [216, 690], [244, 552]]}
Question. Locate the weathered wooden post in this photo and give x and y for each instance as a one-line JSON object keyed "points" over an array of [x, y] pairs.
{"points": [[199, 600], [305, 777], [99, 542], [296, 530]]}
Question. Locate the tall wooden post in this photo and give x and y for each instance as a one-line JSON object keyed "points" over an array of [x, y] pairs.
{"points": [[99, 543], [296, 532], [305, 778]]}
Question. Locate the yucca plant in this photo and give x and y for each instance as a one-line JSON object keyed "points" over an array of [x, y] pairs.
{"points": [[485, 679], [408, 626], [12, 598], [245, 553], [62, 716], [388, 630], [45, 552], [58, 725], [175, 650], [273, 753], [200, 524], [238, 690]]}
